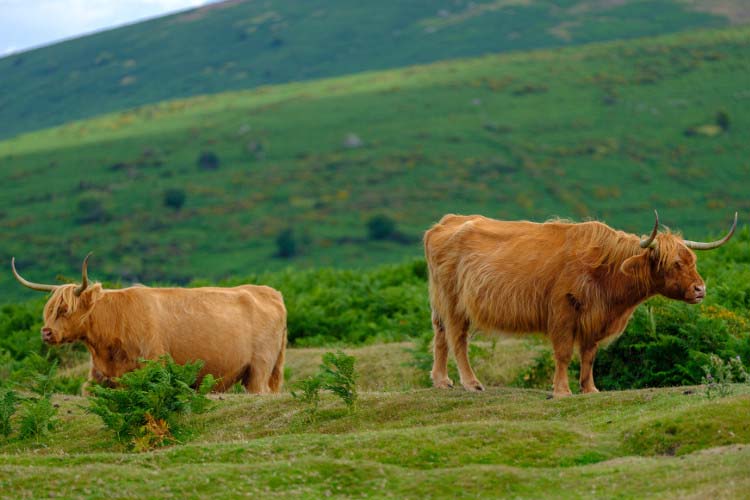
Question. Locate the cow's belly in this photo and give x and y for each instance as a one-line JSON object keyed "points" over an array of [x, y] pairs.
{"points": [[227, 344]]}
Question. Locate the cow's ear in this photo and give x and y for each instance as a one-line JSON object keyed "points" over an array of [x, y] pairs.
{"points": [[90, 295], [635, 265]]}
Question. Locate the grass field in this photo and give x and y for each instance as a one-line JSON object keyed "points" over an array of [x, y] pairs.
{"points": [[608, 131], [244, 44], [407, 442]]}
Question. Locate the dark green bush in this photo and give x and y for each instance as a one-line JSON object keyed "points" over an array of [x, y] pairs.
{"points": [[353, 307], [19, 328], [722, 120], [286, 244], [668, 343], [381, 227], [208, 160], [91, 209], [174, 198], [150, 404]]}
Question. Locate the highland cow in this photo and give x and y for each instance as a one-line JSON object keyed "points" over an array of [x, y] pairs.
{"points": [[239, 333], [578, 283]]}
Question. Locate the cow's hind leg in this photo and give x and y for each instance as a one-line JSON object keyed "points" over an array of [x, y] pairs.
{"points": [[458, 338], [255, 379], [587, 368], [261, 372], [276, 379], [439, 372]]}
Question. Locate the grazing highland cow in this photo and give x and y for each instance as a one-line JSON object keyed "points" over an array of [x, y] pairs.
{"points": [[239, 333], [578, 283]]}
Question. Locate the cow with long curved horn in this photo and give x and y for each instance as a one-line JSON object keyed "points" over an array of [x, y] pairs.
{"points": [[239, 333], [697, 245], [579, 283], [29, 284]]}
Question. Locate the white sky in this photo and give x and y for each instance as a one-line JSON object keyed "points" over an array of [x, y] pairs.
{"points": [[30, 23]]}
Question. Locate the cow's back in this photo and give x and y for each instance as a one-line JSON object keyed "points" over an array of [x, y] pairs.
{"points": [[497, 275]]}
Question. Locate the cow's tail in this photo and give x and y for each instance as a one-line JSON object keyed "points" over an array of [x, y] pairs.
{"points": [[277, 374]]}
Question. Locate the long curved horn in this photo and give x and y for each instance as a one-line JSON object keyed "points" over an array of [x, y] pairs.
{"points": [[648, 242], [698, 245], [84, 276], [34, 286]]}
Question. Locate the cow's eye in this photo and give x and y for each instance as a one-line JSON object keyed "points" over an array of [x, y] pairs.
{"points": [[677, 266]]}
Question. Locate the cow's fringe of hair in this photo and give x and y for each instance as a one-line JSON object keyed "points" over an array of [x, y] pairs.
{"points": [[604, 247], [65, 294]]}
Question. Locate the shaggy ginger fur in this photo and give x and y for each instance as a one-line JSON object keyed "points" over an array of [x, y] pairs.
{"points": [[240, 333], [578, 283]]}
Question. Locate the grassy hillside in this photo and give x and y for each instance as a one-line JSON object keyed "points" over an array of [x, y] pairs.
{"points": [[408, 443], [243, 44], [608, 131]]}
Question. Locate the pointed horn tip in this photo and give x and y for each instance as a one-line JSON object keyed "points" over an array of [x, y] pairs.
{"points": [[699, 245]]}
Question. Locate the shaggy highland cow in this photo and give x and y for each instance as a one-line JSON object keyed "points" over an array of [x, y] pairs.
{"points": [[578, 283], [239, 333]]}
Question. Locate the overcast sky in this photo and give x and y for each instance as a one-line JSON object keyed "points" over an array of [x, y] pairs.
{"points": [[30, 23]]}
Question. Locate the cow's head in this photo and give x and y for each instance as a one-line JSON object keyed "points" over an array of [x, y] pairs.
{"points": [[68, 308], [668, 264]]}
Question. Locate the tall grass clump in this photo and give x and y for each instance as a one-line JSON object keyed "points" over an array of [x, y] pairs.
{"points": [[8, 405], [37, 415], [336, 374]]}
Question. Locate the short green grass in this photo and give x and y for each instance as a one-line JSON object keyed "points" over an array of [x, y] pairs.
{"points": [[407, 442]]}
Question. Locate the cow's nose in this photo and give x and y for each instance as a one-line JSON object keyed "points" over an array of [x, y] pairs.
{"points": [[46, 333], [700, 290]]}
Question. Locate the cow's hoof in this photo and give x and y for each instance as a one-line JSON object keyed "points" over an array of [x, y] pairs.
{"points": [[445, 383], [561, 394], [589, 390], [473, 386]]}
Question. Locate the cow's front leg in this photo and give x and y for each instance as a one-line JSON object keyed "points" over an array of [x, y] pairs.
{"points": [[95, 377], [588, 353], [458, 337], [439, 372], [563, 350]]}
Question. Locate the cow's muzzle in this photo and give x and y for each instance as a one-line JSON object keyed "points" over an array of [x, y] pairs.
{"points": [[698, 293], [47, 336]]}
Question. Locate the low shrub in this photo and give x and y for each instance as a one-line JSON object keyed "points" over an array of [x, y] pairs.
{"points": [[719, 376], [37, 418], [91, 209], [149, 406], [174, 198], [337, 375], [8, 405], [667, 343], [308, 392], [208, 160], [381, 227], [286, 244]]}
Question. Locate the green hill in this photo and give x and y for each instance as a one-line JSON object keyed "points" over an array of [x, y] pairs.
{"points": [[609, 131], [407, 443], [244, 44]]}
